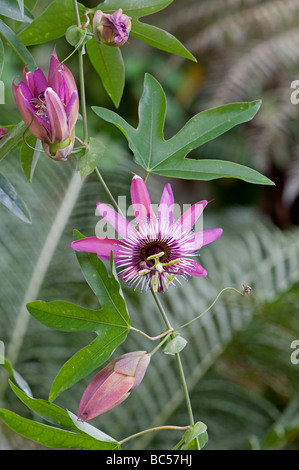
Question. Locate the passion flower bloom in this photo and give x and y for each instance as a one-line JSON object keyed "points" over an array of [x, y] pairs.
{"points": [[113, 384], [112, 30], [49, 107], [3, 132], [155, 251]]}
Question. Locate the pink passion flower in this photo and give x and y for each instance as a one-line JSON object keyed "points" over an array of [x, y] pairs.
{"points": [[49, 107], [155, 251]]}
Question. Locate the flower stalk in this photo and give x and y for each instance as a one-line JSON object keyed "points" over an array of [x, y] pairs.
{"points": [[180, 366]]}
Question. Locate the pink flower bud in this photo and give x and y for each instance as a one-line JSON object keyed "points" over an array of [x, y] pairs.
{"points": [[49, 107], [113, 384], [111, 30]]}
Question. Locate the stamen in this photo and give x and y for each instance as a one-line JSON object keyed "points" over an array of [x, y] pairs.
{"points": [[158, 255], [170, 278], [39, 105], [171, 263]]}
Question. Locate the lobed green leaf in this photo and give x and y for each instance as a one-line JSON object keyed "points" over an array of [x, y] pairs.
{"points": [[111, 323], [167, 157], [65, 316]]}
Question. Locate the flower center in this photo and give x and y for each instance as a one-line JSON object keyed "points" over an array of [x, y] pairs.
{"points": [[39, 106], [154, 266], [153, 248]]}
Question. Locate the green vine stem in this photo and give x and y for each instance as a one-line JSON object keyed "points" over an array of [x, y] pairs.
{"points": [[180, 366], [107, 191], [81, 79], [157, 428]]}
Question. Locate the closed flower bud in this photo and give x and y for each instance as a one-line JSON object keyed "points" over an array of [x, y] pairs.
{"points": [[111, 30], [113, 384]]}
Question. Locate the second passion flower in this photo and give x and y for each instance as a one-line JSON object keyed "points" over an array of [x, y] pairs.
{"points": [[156, 251], [49, 107]]}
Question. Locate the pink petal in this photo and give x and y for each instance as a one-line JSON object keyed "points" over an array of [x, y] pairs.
{"points": [[62, 91], [141, 200], [189, 218], [197, 270], [127, 365], [40, 82], [43, 128], [96, 382], [57, 116], [205, 237], [71, 85], [118, 222], [72, 109], [23, 89], [63, 83], [165, 211], [101, 246], [54, 76], [141, 369], [111, 393], [28, 78], [33, 123], [57, 73]]}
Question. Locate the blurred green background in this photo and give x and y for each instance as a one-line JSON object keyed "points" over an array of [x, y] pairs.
{"points": [[242, 381]]}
